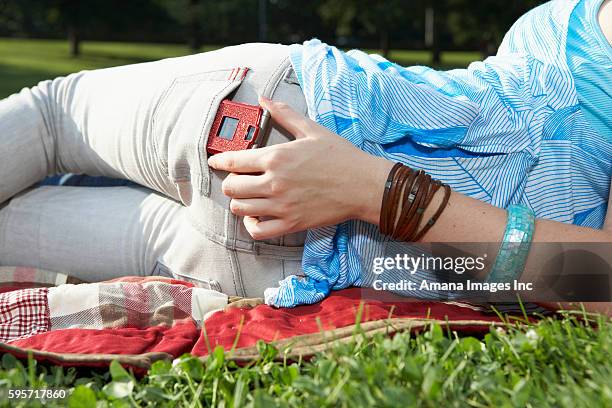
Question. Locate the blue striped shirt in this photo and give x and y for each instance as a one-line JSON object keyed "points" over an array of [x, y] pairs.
{"points": [[514, 128]]}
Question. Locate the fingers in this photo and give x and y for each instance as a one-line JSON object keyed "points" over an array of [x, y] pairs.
{"points": [[254, 160], [243, 161], [245, 186], [253, 207], [265, 229], [295, 123]]}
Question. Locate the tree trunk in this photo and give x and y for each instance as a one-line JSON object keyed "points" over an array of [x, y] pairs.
{"points": [[384, 42], [435, 56], [195, 40], [484, 49], [70, 10], [75, 41], [431, 33], [263, 20]]}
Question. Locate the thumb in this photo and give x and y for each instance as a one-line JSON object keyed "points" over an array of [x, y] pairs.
{"points": [[292, 121]]}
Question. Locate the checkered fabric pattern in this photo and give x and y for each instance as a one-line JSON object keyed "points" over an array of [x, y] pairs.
{"points": [[127, 302], [123, 304], [23, 313]]}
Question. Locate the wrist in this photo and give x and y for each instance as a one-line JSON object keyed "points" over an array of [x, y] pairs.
{"points": [[370, 189]]}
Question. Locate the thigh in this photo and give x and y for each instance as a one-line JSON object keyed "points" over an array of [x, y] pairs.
{"points": [[91, 233], [148, 123], [100, 233], [145, 122]]}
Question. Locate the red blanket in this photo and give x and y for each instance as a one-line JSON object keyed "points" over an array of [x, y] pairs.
{"points": [[140, 320]]}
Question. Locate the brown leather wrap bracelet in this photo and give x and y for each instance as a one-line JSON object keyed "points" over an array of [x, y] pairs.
{"points": [[434, 218], [385, 201], [406, 222], [390, 206], [408, 193]]}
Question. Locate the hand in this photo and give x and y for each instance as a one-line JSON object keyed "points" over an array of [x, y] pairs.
{"points": [[318, 179]]}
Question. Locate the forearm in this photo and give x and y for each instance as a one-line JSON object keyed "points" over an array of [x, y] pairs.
{"points": [[557, 249], [466, 219]]}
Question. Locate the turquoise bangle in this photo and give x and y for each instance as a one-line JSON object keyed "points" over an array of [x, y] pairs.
{"points": [[512, 256]]}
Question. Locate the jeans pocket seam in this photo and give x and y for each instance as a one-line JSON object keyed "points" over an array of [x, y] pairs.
{"points": [[205, 171], [197, 79], [161, 101]]}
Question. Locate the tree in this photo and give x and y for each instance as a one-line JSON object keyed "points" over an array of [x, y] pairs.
{"points": [[69, 14], [194, 26], [263, 20], [381, 18], [483, 24], [432, 40]]}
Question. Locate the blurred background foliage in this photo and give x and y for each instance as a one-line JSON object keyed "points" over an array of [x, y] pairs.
{"points": [[459, 24], [72, 35]]}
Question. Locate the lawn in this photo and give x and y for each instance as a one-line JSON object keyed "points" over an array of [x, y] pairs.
{"points": [[555, 363], [26, 62]]}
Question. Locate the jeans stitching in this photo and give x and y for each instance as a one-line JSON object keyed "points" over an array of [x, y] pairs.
{"points": [[198, 79], [160, 102], [202, 154]]}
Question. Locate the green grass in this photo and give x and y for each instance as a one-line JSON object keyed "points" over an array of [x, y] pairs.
{"points": [[556, 363], [24, 63]]}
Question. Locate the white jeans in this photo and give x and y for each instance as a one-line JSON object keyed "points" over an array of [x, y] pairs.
{"points": [[147, 123]]}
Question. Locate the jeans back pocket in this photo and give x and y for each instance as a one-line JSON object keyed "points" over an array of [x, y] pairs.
{"points": [[181, 123]]}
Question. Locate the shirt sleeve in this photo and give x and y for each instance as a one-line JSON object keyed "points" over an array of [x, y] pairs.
{"points": [[495, 106]]}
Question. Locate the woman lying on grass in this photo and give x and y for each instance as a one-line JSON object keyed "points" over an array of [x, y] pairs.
{"points": [[528, 130]]}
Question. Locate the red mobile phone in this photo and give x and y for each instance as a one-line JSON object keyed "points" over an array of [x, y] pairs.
{"points": [[237, 126]]}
